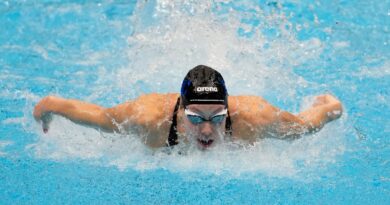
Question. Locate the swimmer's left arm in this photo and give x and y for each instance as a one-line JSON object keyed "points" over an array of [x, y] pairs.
{"points": [[326, 108]]}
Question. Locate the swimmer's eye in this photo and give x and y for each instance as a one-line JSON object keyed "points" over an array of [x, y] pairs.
{"points": [[195, 119], [217, 119]]}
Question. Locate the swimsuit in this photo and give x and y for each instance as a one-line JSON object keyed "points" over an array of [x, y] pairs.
{"points": [[172, 137]]}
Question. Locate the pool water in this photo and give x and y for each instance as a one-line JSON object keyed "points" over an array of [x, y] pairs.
{"points": [[107, 52]]}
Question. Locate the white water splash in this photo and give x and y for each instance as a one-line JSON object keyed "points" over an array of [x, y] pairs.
{"points": [[3, 144], [273, 157], [170, 38], [374, 72]]}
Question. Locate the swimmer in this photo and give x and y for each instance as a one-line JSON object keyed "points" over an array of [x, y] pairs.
{"points": [[202, 113]]}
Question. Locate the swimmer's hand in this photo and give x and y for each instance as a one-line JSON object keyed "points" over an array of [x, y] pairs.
{"points": [[43, 114], [333, 106], [325, 108]]}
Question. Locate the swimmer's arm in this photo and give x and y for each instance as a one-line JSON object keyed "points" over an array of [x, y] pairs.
{"points": [[106, 119], [325, 109]]}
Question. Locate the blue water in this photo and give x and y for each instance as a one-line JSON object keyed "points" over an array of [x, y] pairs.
{"points": [[112, 51]]}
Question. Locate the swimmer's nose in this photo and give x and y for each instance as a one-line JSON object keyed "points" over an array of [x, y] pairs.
{"points": [[206, 129]]}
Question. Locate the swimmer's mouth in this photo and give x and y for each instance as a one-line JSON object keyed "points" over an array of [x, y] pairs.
{"points": [[205, 143]]}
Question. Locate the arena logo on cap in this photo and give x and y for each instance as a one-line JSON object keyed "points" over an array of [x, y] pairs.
{"points": [[206, 89]]}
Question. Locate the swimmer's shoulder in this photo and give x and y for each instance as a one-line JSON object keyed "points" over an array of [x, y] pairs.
{"points": [[247, 103], [253, 110], [153, 107], [157, 99]]}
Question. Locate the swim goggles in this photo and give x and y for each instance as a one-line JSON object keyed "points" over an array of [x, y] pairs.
{"points": [[195, 118]]}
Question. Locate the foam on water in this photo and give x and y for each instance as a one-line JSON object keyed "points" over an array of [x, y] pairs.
{"points": [[178, 40], [168, 39], [376, 72], [67, 141], [3, 144]]}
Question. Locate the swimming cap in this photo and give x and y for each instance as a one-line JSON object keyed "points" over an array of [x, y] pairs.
{"points": [[203, 85]]}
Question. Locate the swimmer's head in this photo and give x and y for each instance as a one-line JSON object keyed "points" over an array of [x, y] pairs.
{"points": [[204, 99], [203, 85]]}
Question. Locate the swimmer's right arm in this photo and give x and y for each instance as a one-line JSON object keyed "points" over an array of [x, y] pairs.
{"points": [[106, 119]]}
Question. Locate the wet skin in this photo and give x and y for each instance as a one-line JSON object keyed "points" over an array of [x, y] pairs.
{"points": [[205, 134], [151, 115]]}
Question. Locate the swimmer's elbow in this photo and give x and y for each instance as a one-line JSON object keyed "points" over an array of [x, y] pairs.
{"points": [[106, 122], [290, 126], [291, 131], [119, 117]]}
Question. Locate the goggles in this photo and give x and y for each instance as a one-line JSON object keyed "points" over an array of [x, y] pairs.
{"points": [[195, 118]]}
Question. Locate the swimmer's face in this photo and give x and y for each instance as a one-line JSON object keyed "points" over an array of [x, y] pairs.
{"points": [[205, 133]]}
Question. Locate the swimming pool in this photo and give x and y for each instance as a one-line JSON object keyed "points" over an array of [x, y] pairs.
{"points": [[107, 52]]}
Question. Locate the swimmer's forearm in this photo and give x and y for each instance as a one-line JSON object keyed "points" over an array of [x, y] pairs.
{"points": [[316, 117], [290, 126]]}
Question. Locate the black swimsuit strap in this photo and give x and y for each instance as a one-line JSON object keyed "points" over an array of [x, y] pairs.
{"points": [[173, 138], [228, 125]]}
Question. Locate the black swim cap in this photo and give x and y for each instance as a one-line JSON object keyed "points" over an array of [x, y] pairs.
{"points": [[203, 85]]}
